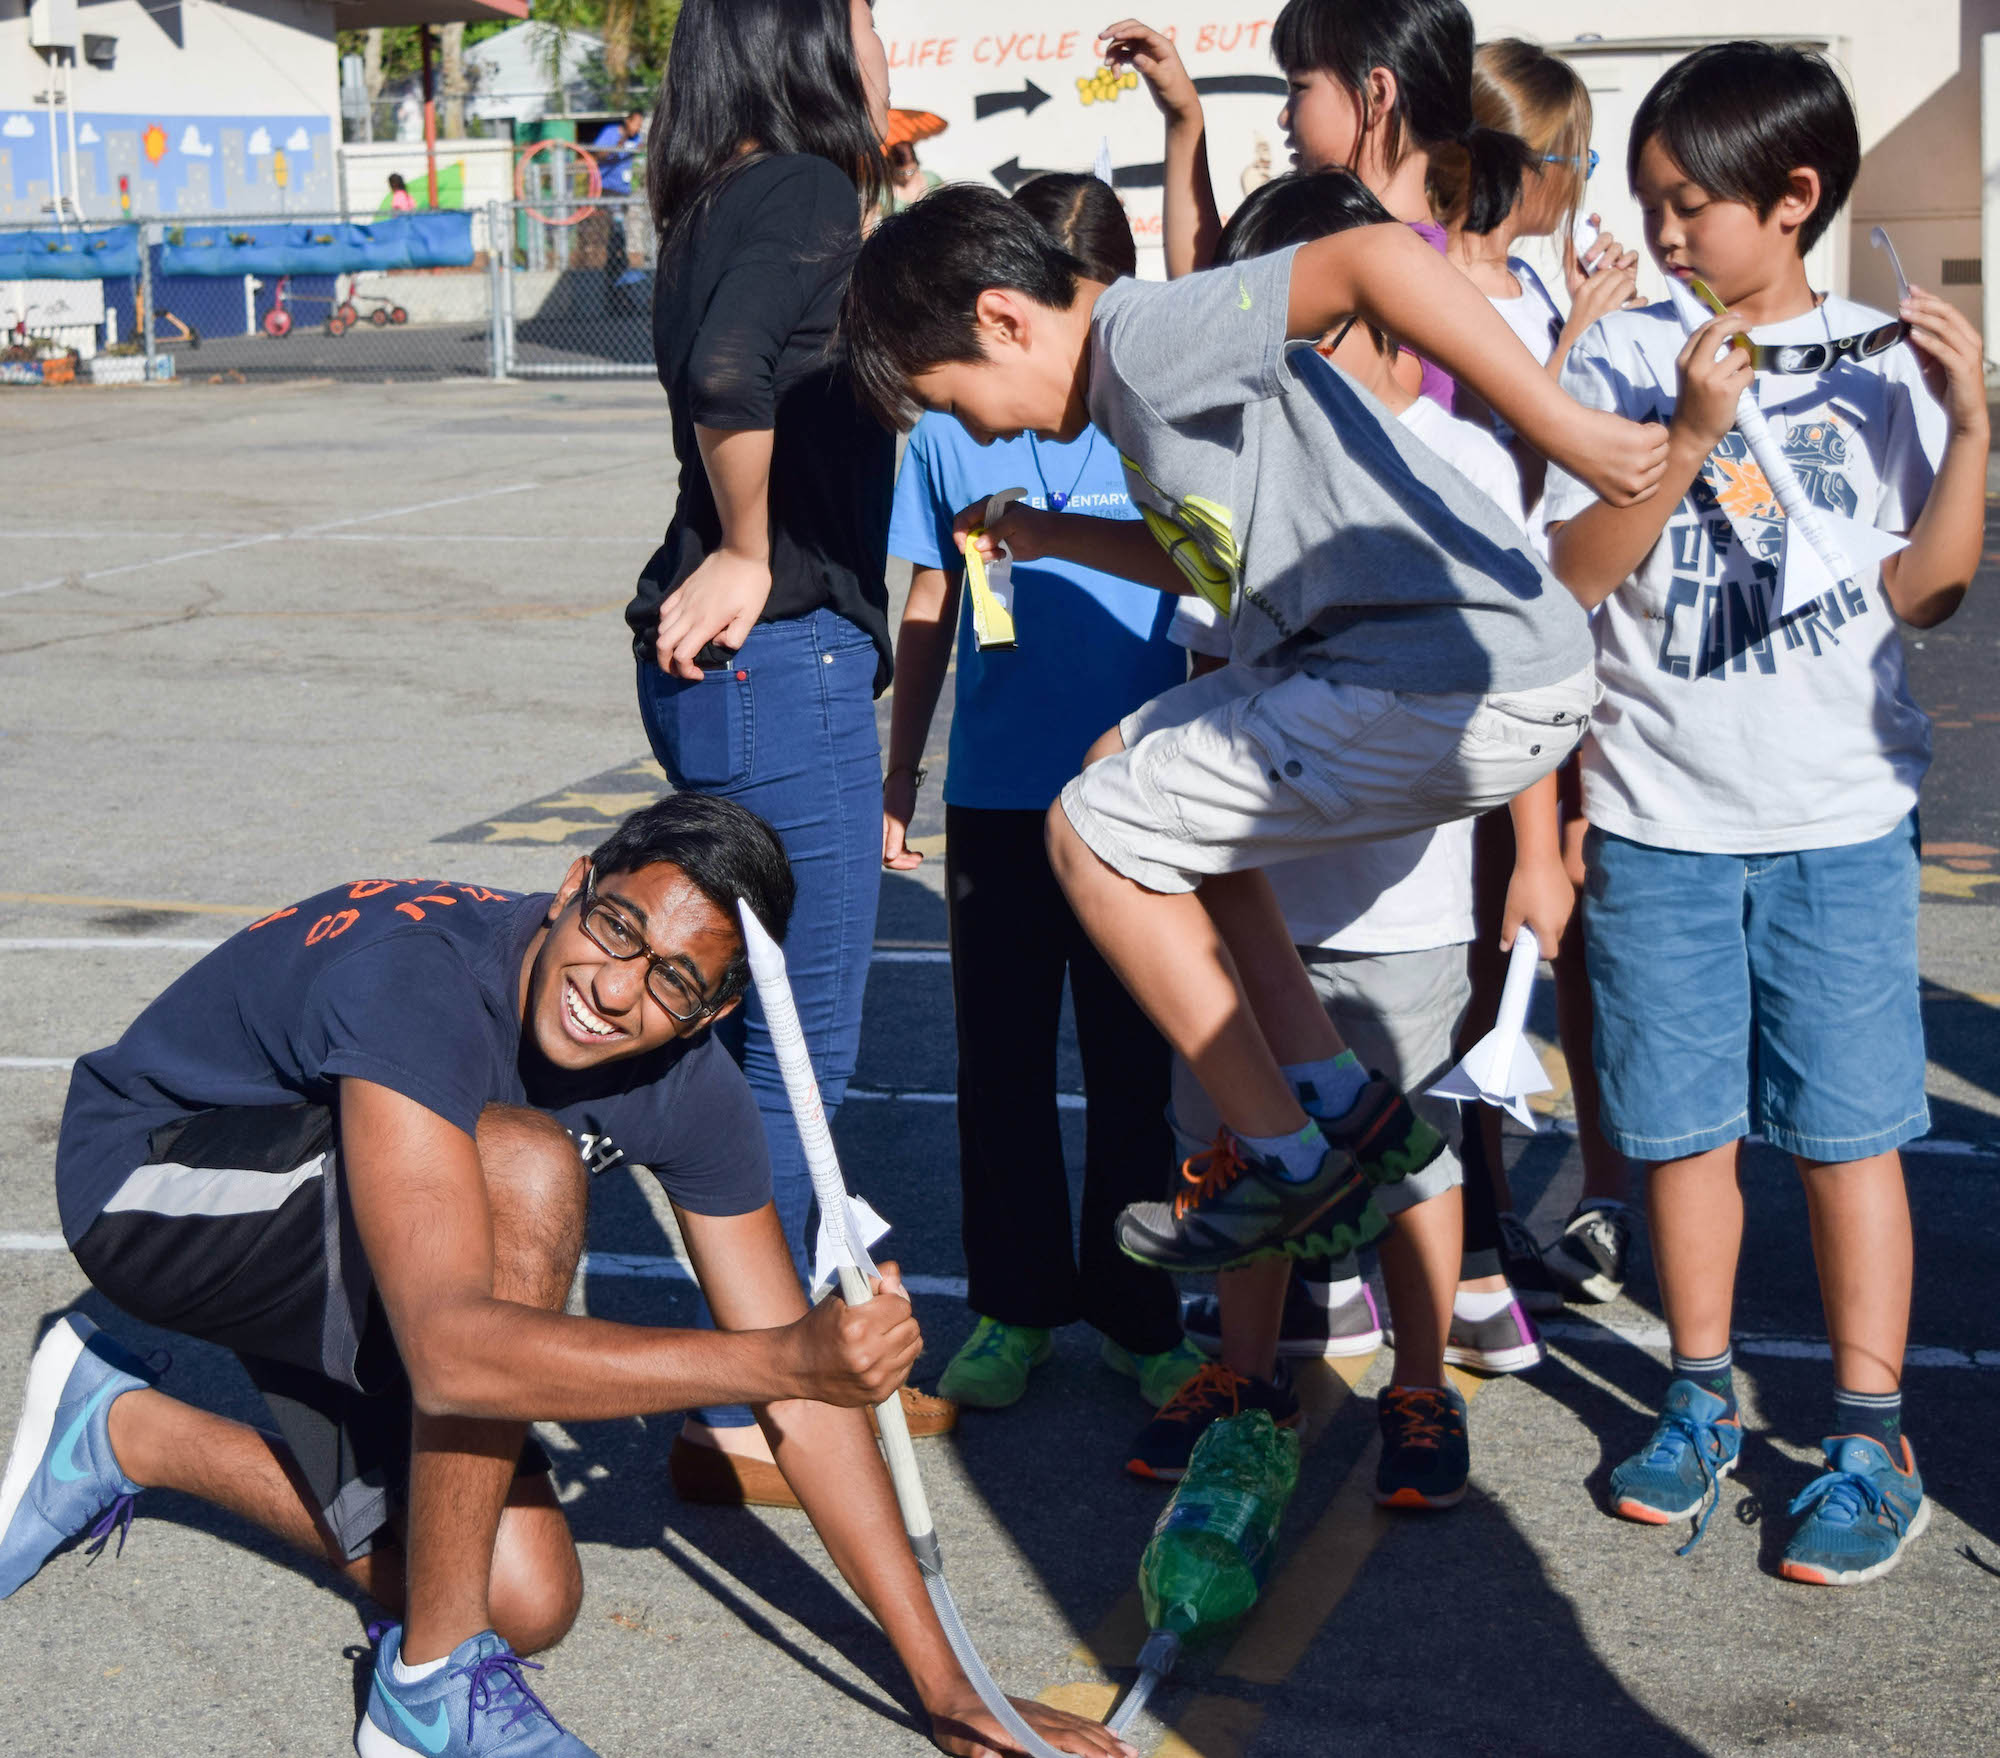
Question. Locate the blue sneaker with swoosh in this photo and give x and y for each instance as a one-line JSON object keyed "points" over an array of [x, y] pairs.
{"points": [[62, 1475], [476, 1703]]}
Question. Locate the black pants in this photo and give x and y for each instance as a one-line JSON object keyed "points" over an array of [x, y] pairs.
{"points": [[1012, 938]]}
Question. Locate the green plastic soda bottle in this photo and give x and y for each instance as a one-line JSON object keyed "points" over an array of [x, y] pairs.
{"points": [[1210, 1549]]}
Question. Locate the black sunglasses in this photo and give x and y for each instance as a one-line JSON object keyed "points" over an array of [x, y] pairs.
{"points": [[614, 936]]}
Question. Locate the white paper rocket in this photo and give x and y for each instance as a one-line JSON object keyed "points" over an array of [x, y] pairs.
{"points": [[1502, 1068]]}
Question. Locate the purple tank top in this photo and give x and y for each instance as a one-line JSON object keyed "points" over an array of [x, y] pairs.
{"points": [[1438, 385]]}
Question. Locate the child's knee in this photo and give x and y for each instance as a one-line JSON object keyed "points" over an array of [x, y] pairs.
{"points": [[539, 1195], [536, 1588]]}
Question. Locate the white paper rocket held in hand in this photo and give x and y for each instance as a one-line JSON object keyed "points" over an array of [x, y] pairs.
{"points": [[992, 583], [1502, 1068]]}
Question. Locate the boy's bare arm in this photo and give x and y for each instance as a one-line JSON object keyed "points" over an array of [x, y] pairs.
{"points": [[1391, 277], [923, 655], [1539, 893], [1597, 551], [1190, 224], [1112, 546], [1927, 581]]}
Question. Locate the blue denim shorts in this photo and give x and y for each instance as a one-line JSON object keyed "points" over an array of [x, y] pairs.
{"points": [[1769, 992]]}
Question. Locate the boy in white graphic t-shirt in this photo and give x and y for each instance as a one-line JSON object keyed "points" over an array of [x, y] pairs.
{"points": [[1752, 775]]}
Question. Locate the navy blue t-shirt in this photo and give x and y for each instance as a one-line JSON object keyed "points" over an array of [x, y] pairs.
{"points": [[412, 984]]}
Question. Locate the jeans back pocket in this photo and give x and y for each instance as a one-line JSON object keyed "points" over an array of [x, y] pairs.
{"points": [[699, 727]]}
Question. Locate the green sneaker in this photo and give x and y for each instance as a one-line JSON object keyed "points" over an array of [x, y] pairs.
{"points": [[990, 1370], [1160, 1376], [1230, 1208]]}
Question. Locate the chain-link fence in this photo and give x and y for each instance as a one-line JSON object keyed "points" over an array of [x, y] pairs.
{"points": [[556, 287]]}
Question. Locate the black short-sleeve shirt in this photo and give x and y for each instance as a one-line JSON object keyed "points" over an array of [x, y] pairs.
{"points": [[412, 984], [744, 317]]}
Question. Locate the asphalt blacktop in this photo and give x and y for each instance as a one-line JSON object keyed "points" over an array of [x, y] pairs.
{"points": [[255, 639]]}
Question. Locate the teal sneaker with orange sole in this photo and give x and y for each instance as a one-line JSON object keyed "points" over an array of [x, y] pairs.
{"points": [[1859, 1517], [1677, 1475]]}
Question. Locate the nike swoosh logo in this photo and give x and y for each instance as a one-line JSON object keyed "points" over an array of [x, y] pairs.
{"points": [[63, 1466], [434, 1733]]}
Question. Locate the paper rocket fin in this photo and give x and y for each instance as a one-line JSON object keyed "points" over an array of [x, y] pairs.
{"points": [[1807, 577], [865, 1228]]}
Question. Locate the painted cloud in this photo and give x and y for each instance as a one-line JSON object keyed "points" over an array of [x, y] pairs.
{"points": [[18, 128], [298, 141], [194, 146], [87, 136], [258, 146]]}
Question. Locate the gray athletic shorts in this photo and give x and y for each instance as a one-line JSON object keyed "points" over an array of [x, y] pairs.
{"points": [[237, 1231], [1246, 768], [1399, 1012]]}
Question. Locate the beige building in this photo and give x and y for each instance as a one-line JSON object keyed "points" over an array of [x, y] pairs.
{"points": [[1023, 96]]}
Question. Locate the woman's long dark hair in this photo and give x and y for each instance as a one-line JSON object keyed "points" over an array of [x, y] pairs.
{"points": [[779, 73], [1428, 46]]}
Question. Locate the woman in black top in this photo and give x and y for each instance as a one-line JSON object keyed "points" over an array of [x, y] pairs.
{"points": [[761, 623]]}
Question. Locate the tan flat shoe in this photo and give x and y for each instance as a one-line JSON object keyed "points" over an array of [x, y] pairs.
{"points": [[726, 1480], [925, 1414]]}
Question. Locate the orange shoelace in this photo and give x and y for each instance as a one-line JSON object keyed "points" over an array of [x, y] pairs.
{"points": [[1211, 1384], [1423, 1410], [1208, 1174]]}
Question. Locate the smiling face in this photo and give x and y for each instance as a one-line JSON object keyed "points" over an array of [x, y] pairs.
{"points": [[584, 1007], [1030, 374], [1693, 231]]}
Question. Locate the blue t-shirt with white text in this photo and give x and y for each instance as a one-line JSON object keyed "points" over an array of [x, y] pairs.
{"points": [[1091, 647]]}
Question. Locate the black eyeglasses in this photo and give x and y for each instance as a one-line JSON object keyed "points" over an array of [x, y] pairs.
{"points": [[1588, 161], [617, 938]]}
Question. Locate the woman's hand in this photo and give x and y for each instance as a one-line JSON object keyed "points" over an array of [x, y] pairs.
{"points": [[1541, 896], [1953, 359], [720, 601], [1151, 55], [1715, 371], [961, 1725], [899, 806]]}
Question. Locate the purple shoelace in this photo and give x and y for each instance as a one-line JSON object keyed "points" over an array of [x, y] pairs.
{"points": [[118, 1516], [492, 1678]]}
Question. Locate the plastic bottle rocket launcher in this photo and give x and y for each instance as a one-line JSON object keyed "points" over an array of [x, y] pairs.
{"points": [[1209, 1552], [992, 583], [845, 1238]]}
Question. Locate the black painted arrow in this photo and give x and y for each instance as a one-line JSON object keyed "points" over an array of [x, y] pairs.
{"points": [[1269, 84], [1013, 174], [1152, 176], [1027, 100]]}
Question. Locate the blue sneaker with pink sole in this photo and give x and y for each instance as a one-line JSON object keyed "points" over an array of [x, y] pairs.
{"points": [[62, 1477]]}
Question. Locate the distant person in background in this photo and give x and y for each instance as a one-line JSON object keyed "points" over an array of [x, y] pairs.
{"points": [[908, 181], [401, 201], [612, 150]]}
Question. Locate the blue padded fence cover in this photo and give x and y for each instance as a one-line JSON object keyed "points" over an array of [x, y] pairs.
{"points": [[408, 241], [73, 255]]}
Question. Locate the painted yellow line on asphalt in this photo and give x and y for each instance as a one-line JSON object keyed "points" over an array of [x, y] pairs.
{"points": [[1213, 1727], [1292, 1610]]}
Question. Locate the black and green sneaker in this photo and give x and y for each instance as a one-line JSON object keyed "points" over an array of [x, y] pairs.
{"points": [[1388, 1140], [1233, 1207]]}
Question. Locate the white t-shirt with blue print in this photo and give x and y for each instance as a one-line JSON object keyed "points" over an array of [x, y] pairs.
{"points": [[1723, 731], [1090, 647]]}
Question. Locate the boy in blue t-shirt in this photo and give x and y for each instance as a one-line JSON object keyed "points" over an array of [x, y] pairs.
{"points": [[1092, 647]]}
